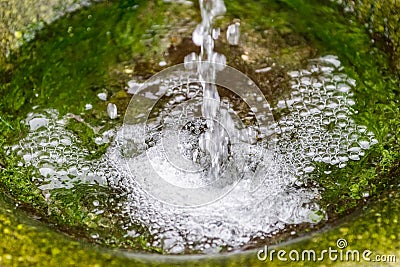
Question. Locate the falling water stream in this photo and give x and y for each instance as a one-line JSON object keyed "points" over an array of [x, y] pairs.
{"points": [[193, 173], [214, 140]]}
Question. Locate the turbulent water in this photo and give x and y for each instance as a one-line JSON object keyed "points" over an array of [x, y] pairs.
{"points": [[318, 128], [195, 174], [215, 138]]}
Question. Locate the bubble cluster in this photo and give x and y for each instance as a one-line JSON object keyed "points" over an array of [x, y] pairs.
{"points": [[55, 152], [319, 125], [247, 212], [259, 206]]}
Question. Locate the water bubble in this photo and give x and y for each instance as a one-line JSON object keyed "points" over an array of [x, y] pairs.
{"points": [[354, 156], [325, 120], [342, 122], [88, 106], [350, 102], [373, 141], [342, 165], [37, 123], [332, 103], [361, 128], [102, 96], [95, 235], [364, 142], [344, 88], [309, 169], [354, 147]]}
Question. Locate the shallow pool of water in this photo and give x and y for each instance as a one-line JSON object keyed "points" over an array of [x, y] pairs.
{"points": [[68, 155]]}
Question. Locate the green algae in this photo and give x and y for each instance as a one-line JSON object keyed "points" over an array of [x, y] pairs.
{"points": [[87, 135], [69, 64], [65, 67], [26, 242], [78, 53], [381, 19], [377, 95]]}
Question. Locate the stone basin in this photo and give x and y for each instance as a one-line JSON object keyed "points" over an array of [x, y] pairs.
{"points": [[60, 55]]}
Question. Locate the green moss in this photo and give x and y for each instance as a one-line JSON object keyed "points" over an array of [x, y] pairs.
{"points": [[85, 212], [65, 67], [377, 94], [17, 182], [25, 242], [87, 136], [381, 19], [86, 52], [377, 91], [28, 243]]}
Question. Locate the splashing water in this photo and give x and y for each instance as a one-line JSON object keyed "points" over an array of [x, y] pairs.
{"points": [[215, 139], [193, 136]]}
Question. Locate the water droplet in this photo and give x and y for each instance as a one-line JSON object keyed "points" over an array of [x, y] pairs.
{"points": [[102, 96], [112, 111], [309, 169], [233, 34], [364, 143]]}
